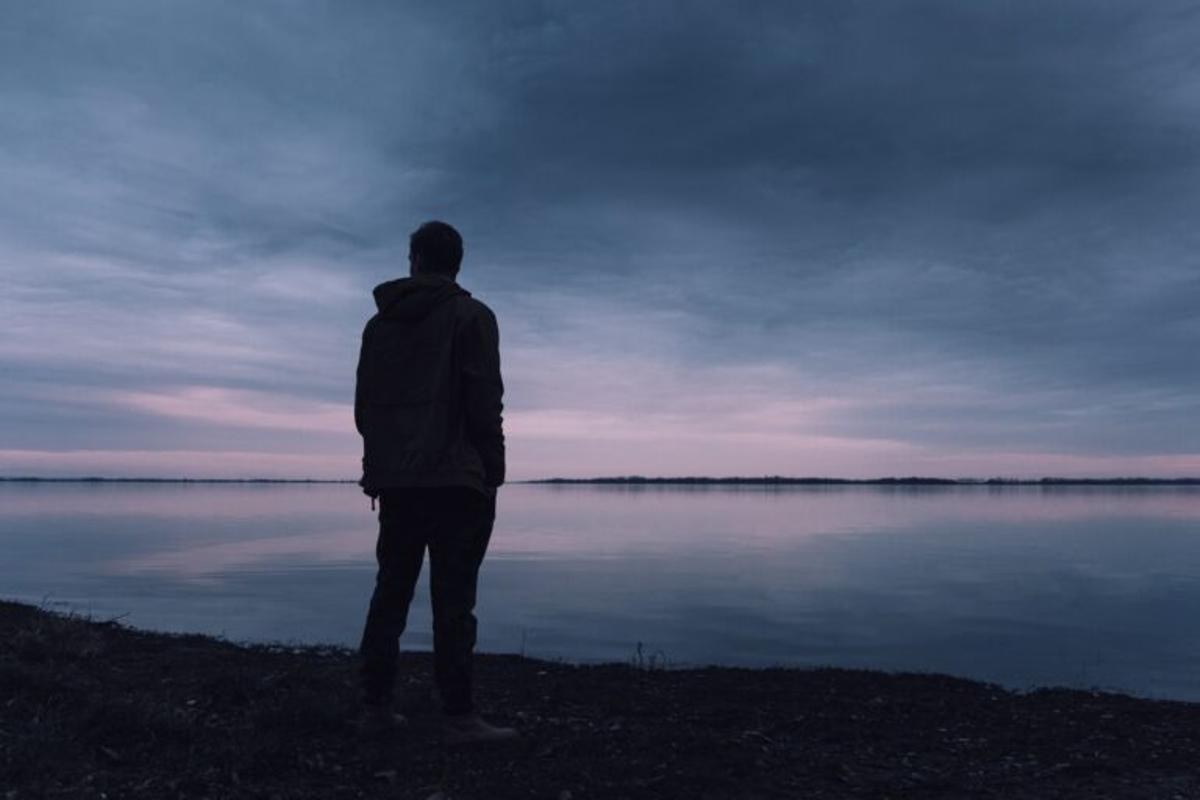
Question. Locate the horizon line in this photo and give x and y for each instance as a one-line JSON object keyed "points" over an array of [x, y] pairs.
{"points": [[661, 480]]}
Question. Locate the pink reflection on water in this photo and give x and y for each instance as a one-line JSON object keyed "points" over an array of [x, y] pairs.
{"points": [[273, 553], [235, 526], [193, 500], [547, 520]]}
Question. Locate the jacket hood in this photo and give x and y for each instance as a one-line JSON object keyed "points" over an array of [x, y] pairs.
{"points": [[413, 298]]}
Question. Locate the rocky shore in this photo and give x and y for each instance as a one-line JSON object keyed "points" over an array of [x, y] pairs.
{"points": [[95, 709]]}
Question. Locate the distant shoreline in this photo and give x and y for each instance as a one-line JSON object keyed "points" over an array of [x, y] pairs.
{"points": [[35, 479], [638, 480], [778, 480]]}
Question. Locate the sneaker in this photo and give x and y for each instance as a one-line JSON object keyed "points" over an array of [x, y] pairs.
{"points": [[377, 720], [472, 728]]}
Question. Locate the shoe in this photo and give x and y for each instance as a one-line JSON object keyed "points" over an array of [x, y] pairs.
{"points": [[473, 729], [377, 720]]}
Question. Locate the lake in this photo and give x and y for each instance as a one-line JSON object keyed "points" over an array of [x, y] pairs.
{"points": [[1090, 587]]}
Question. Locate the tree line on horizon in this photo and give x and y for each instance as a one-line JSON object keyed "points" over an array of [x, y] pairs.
{"points": [[888, 481], [698, 480]]}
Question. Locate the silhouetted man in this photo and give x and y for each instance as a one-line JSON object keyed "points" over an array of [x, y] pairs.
{"points": [[428, 403]]}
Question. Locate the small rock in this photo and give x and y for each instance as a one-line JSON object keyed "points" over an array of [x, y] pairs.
{"points": [[565, 794], [388, 775]]}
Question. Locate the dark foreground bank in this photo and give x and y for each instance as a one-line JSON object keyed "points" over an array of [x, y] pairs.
{"points": [[92, 709]]}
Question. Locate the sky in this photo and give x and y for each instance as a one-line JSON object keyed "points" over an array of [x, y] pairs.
{"points": [[845, 238]]}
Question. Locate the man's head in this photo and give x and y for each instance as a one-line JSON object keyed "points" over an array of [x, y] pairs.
{"points": [[435, 248]]}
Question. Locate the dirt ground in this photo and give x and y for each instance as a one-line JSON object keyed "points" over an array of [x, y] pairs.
{"points": [[93, 709]]}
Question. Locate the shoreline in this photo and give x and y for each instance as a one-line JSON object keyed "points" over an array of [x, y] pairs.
{"points": [[90, 707], [638, 480], [907, 481]]}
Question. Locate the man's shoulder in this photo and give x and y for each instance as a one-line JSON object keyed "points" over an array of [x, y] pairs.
{"points": [[471, 306], [371, 323]]}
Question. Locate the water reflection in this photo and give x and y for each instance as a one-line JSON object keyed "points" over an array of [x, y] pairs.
{"points": [[1085, 586]]}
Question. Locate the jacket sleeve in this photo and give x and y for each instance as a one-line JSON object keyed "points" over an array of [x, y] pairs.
{"points": [[360, 394], [483, 391], [359, 377]]}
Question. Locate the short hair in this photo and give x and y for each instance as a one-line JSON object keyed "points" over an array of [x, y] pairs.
{"points": [[439, 247]]}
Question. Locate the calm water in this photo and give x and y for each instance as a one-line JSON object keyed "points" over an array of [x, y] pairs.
{"points": [[1086, 587]]}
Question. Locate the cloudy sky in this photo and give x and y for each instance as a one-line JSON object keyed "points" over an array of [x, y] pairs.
{"points": [[808, 237]]}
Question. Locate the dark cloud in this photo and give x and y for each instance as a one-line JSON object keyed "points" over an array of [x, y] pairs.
{"points": [[968, 222]]}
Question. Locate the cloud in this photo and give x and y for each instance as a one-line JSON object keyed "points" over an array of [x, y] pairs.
{"points": [[240, 409], [755, 236], [133, 463]]}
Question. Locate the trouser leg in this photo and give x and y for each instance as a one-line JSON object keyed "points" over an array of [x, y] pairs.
{"points": [[456, 551], [399, 551]]}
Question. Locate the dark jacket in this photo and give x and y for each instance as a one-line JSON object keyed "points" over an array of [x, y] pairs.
{"points": [[428, 395]]}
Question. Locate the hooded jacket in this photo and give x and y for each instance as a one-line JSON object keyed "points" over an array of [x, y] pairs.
{"points": [[428, 394]]}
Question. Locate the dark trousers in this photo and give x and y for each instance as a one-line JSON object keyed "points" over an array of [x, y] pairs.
{"points": [[455, 523]]}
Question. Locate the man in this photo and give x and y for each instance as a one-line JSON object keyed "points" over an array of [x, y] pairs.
{"points": [[428, 406]]}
